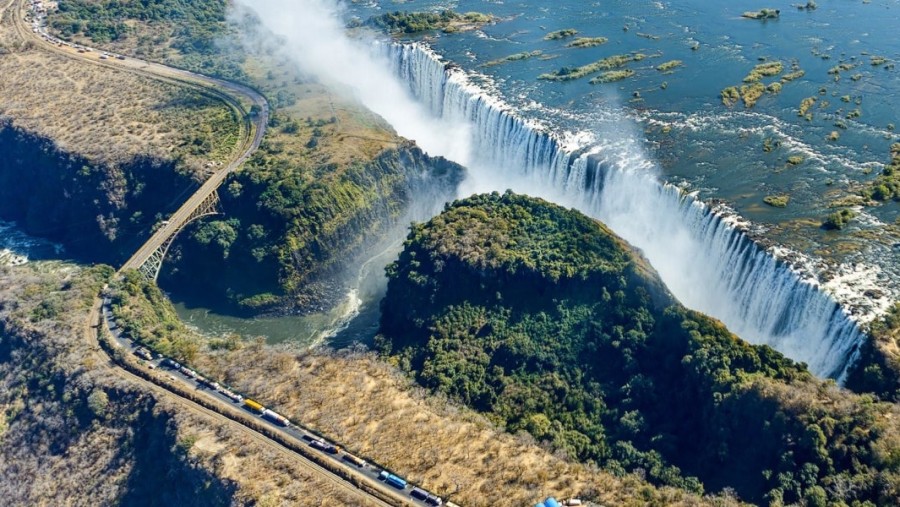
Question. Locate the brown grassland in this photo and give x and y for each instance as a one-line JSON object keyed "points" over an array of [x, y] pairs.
{"points": [[370, 407], [106, 115], [57, 448]]}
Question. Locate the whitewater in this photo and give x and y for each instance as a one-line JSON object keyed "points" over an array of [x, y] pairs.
{"points": [[706, 262]]}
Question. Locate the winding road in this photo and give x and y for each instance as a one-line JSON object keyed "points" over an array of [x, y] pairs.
{"points": [[237, 96], [288, 441]]}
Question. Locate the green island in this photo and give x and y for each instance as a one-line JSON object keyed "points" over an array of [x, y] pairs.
{"points": [[753, 89], [513, 58], [612, 76], [762, 70], [561, 34], [669, 66], [839, 219], [886, 185], [608, 63], [401, 22], [587, 42], [763, 14], [777, 201]]}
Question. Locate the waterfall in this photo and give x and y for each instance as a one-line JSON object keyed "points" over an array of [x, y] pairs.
{"points": [[706, 262]]}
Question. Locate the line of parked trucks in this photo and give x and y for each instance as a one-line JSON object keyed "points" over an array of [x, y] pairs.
{"points": [[39, 26], [313, 441]]}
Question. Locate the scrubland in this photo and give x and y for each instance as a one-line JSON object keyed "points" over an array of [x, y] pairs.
{"points": [[74, 432], [107, 115], [371, 408]]}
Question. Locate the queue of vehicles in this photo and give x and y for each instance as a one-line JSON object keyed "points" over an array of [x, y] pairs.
{"points": [[38, 18], [316, 442]]}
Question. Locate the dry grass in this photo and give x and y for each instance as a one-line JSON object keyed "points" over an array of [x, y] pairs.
{"points": [[108, 115], [264, 476], [348, 132], [376, 412], [49, 457]]}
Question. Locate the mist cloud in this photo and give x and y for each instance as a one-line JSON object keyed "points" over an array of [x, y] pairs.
{"points": [[312, 34]]}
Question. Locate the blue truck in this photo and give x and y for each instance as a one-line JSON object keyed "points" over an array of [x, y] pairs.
{"points": [[392, 479]]}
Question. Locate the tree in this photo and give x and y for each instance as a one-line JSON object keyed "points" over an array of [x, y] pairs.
{"points": [[98, 402]]}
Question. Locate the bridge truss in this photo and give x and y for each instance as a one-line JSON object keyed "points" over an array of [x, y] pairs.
{"points": [[152, 265]]}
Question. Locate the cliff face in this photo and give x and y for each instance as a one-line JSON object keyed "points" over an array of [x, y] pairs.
{"points": [[284, 243], [289, 239], [549, 323], [99, 212]]}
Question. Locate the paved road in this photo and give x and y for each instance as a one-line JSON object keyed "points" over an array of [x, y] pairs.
{"points": [[100, 316], [178, 374]]}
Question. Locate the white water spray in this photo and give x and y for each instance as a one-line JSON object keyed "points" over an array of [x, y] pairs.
{"points": [[706, 263], [312, 33]]}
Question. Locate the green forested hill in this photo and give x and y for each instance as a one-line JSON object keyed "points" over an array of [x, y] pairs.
{"points": [[546, 321]]}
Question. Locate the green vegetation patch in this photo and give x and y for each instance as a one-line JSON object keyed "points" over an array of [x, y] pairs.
{"points": [[144, 314], [195, 29], [587, 42], [399, 22], [751, 93], [754, 89], [609, 63], [730, 96], [837, 69], [777, 201], [762, 70], [839, 219], [513, 58], [612, 76], [762, 14], [670, 65], [561, 34], [878, 368], [806, 104], [795, 159], [547, 322], [791, 76], [886, 185], [107, 20]]}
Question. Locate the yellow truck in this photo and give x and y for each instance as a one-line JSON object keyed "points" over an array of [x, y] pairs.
{"points": [[253, 405]]}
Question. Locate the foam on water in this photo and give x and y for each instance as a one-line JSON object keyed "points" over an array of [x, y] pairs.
{"points": [[706, 261], [16, 247]]}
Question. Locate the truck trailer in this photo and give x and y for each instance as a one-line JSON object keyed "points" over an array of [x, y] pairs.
{"points": [[253, 405], [275, 418]]}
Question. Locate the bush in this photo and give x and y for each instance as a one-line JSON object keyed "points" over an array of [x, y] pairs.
{"points": [[838, 220]]}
